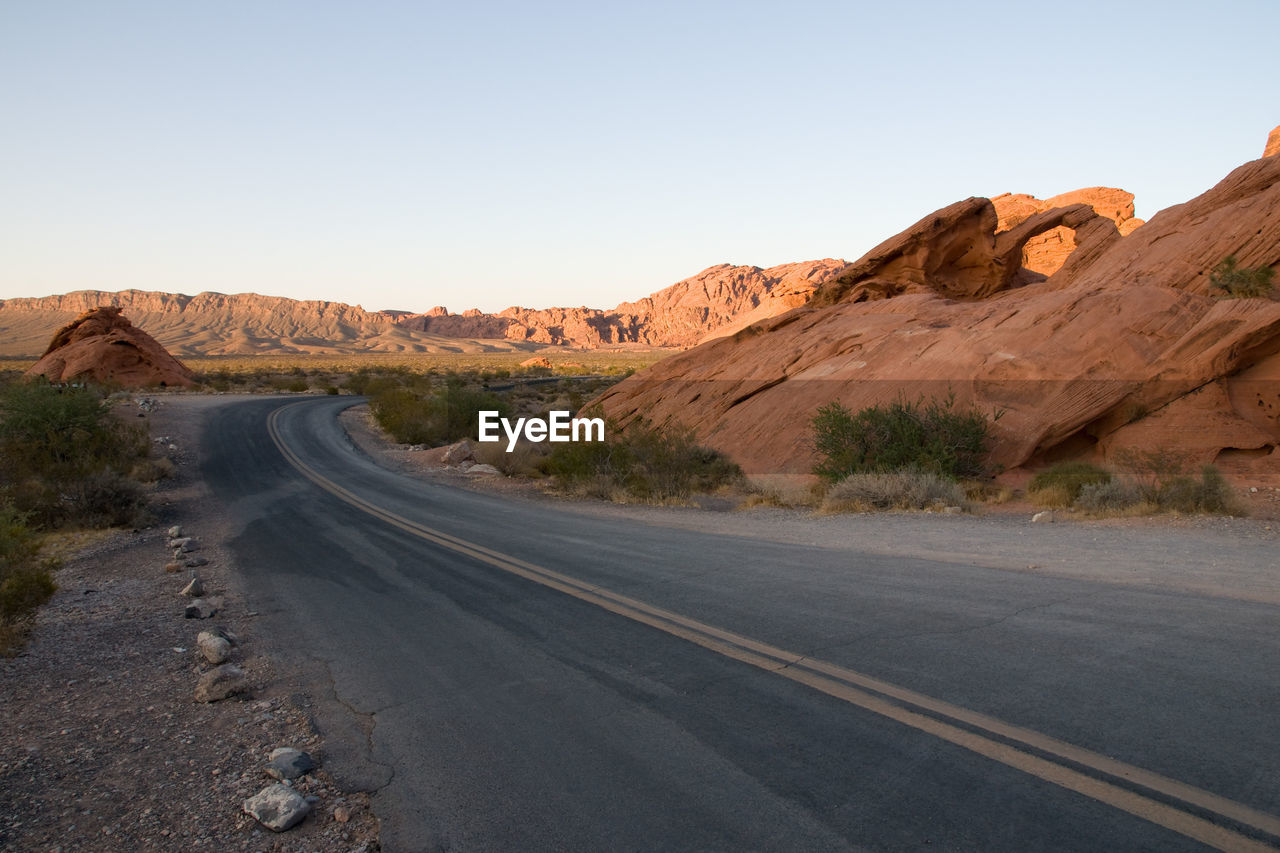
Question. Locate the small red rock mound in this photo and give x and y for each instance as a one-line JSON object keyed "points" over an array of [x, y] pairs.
{"points": [[1125, 345], [102, 346], [536, 361]]}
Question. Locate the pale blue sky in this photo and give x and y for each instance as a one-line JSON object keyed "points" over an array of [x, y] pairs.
{"points": [[409, 154]]}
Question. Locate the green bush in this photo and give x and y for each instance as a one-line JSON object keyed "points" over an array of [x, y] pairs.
{"points": [[903, 489], [1238, 282], [930, 436], [55, 440], [25, 584], [1060, 484], [641, 462], [447, 414]]}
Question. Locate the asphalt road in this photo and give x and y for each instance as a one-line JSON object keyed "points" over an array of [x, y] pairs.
{"points": [[511, 675]]}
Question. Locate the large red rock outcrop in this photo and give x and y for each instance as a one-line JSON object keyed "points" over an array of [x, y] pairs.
{"points": [[1123, 346], [1047, 252], [102, 346]]}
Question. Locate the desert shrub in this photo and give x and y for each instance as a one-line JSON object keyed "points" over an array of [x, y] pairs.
{"points": [[437, 417], [1107, 497], [1238, 282], [106, 500], [1209, 493], [526, 459], [641, 462], [1059, 485], [53, 440], [903, 489], [1151, 469], [25, 582], [927, 435]]}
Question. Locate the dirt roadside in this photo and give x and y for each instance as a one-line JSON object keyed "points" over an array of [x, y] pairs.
{"points": [[102, 745]]}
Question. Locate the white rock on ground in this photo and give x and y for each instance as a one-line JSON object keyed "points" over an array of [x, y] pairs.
{"points": [[195, 589], [277, 807], [1044, 517], [215, 649]]}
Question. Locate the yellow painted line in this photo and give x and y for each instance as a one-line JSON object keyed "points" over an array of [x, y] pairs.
{"points": [[844, 684]]}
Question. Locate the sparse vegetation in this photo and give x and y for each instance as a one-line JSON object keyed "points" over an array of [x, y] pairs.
{"points": [[64, 456], [1155, 481], [439, 416], [641, 463], [902, 489], [1237, 282], [1060, 484], [931, 436], [25, 581]]}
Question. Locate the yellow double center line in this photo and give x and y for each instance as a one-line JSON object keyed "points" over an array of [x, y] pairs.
{"points": [[1011, 745]]}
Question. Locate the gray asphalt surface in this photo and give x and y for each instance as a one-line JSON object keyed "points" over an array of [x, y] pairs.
{"points": [[494, 713]]}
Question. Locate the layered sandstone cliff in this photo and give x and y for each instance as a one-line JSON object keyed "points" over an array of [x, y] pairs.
{"points": [[1123, 345]]}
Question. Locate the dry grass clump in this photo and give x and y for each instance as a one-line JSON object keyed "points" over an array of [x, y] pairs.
{"points": [[1059, 485], [1153, 481], [903, 489], [527, 459]]}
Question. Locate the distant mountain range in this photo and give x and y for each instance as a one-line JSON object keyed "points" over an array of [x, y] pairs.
{"points": [[717, 301]]}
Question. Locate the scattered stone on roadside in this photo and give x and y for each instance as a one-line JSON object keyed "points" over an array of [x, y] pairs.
{"points": [[188, 545], [1043, 517], [483, 468], [458, 453], [196, 562], [175, 532], [289, 763], [173, 566], [341, 814], [195, 588], [201, 609], [179, 541], [221, 682], [277, 807], [224, 634], [214, 649], [953, 510]]}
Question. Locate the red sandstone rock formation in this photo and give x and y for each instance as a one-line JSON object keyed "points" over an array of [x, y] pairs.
{"points": [[102, 346], [1046, 253], [1273, 144], [1124, 345]]}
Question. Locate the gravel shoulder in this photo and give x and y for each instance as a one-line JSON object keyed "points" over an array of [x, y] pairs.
{"points": [[102, 745]]}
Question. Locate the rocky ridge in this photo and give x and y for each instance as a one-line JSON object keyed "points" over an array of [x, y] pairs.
{"points": [[1123, 345], [717, 301]]}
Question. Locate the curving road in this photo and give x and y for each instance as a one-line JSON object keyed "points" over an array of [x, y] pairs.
{"points": [[518, 676]]}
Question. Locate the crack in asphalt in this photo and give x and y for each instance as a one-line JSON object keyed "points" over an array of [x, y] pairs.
{"points": [[367, 721]]}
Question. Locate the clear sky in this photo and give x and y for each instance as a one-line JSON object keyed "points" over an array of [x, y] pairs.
{"points": [[487, 154]]}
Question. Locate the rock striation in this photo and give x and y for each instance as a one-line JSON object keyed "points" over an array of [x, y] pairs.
{"points": [[1123, 345], [102, 346]]}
